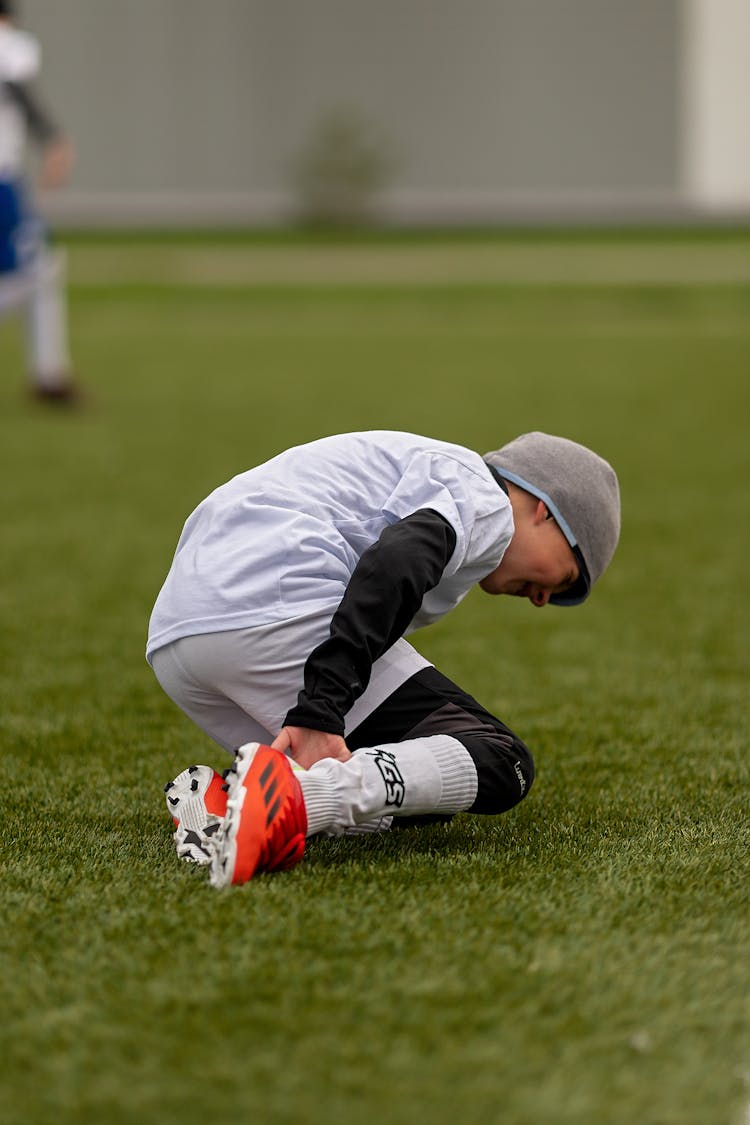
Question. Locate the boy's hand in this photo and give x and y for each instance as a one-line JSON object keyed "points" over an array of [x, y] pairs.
{"points": [[309, 746]]}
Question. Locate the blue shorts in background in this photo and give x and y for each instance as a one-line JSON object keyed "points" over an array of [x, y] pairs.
{"points": [[21, 231]]}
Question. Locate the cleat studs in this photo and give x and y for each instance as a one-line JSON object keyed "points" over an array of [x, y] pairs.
{"points": [[168, 786], [192, 769], [194, 784], [173, 801], [225, 788]]}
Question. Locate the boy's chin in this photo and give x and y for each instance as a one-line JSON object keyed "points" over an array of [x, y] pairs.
{"points": [[514, 588], [492, 585]]}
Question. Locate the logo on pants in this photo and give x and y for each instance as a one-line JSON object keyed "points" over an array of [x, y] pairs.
{"points": [[395, 788], [521, 778]]}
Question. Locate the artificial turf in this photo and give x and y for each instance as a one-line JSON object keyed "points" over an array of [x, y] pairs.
{"points": [[581, 960]]}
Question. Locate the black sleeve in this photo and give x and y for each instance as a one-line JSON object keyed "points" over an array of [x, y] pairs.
{"points": [[384, 593], [39, 123]]}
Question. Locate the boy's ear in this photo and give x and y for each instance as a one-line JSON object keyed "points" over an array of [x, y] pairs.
{"points": [[540, 512]]}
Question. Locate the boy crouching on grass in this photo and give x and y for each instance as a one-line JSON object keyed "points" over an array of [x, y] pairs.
{"points": [[280, 631]]}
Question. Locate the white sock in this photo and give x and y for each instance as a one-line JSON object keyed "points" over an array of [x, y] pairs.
{"points": [[422, 775], [47, 329]]}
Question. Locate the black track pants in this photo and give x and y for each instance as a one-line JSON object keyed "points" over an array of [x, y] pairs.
{"points": [[430, 703]]}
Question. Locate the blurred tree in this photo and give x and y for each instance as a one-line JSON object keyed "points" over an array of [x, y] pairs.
{"points": [[339, 172]]}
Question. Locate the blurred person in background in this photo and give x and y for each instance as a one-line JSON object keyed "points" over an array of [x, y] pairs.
{"points": [[32, 275]]}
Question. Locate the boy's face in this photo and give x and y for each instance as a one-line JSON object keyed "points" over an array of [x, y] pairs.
{"points": [[538, 562]]}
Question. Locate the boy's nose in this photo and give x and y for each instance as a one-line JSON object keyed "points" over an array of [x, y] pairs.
{"points": [[539, 597]]}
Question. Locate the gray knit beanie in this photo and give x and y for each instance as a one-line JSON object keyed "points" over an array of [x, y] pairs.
{"points": [[581, 491]]}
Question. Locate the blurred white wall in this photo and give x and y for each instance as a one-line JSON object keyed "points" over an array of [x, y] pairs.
{"points": [[716, 129], [488, 110]]}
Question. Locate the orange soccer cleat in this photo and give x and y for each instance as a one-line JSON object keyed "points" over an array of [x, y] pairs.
{"points": [[265, 823]]}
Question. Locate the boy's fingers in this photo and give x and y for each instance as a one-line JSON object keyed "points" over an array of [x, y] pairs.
{"points": [[282, 741]]}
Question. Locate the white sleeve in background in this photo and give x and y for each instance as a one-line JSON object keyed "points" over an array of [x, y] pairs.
{"points": [[19, 62], [20, 56]]}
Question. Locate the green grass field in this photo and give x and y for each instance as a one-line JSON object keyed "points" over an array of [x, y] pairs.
{"points": [[582, 960]]}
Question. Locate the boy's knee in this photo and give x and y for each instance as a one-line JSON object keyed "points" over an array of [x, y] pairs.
{"points": [[505, 769]]}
